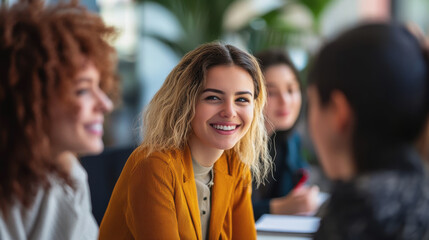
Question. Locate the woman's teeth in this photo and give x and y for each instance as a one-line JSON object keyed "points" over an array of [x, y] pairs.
{"points": [[225, 128], [97, 127]]}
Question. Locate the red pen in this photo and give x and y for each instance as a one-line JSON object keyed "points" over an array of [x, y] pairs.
{"points": [[302, 180]]}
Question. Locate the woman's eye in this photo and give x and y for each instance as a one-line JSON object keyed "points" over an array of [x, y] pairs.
{"points": [[293, 90], [82, 91], [211, 98], [242, 99], [273, 93]]}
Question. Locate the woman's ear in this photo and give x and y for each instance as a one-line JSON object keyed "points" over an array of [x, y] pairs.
{"points": [[342, 113], [423, 142]]}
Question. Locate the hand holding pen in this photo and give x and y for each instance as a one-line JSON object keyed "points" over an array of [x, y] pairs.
{"points": [[302, 200]]}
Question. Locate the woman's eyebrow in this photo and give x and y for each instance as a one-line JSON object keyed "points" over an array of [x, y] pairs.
{"points": [[213, 90], [222, 92], [83, 79], [243, 92]]}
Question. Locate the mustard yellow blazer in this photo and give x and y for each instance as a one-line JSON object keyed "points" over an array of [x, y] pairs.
{"points": [[156, 198]]}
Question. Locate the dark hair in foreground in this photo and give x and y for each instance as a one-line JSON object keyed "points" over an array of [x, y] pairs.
{"points": [[42, 48], [383, 72]]}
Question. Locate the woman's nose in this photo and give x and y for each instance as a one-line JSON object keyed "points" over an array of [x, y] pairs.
{"points": [[284, 98], [228, 110], [104, 102]]}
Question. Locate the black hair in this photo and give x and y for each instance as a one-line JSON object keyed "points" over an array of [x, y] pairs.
{"points": [[383, 72], [272, 57]]}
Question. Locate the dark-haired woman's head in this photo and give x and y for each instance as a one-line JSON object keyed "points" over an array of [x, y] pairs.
{"points": [[284, 90], [367, 93]]}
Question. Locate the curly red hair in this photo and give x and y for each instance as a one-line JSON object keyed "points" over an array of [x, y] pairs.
{"points": [[41, 50]]}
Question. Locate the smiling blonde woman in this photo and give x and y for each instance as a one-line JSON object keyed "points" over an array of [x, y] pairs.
{"points": [[204, 132]]}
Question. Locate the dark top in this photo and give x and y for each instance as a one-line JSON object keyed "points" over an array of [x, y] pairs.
{"points": [[386, 204], [103, 172], [285, 151]]}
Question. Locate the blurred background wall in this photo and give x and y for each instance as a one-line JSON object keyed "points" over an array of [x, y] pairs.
{"points": [[155, 34]]}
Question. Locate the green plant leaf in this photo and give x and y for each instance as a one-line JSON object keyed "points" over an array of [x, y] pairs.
{"points": [[316, 6]]}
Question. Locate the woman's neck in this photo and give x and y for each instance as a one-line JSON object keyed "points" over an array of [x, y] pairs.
{"points": [[204, 155], [65, 160], [347, 170]]}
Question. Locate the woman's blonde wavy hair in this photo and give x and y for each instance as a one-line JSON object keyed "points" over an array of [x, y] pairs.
{"points": [[166, 121]]}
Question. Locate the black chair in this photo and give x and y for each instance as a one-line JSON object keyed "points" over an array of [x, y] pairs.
{"points": [[103, 172]]}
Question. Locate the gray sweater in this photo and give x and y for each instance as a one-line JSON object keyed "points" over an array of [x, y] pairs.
{"points": [[59, 213]]}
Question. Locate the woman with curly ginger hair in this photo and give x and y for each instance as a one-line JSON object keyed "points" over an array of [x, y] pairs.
{"points": [[204, 131], [55, 70]]}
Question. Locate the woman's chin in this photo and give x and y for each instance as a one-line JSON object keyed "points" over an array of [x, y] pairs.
{"points": [[92, 150]]}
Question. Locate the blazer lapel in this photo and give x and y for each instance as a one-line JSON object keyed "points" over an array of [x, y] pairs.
{"points": [[190, 191], [221, 195]]}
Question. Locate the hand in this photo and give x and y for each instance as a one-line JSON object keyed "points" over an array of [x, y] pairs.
{"points": [[301, 201]]}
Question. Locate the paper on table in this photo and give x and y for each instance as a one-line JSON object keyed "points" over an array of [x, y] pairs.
{"points": [[287, 224], [321, 199]]}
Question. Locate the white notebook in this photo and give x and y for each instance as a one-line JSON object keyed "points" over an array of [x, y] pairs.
{"points": [[288, 224]]}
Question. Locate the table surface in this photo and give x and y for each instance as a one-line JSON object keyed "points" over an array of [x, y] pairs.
{"points": [[273, 237], [278, 236]]}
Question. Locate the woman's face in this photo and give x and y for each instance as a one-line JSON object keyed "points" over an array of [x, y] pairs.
{"points": [[284, 97], [319, 121], [224, 110], [81, 131]]}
